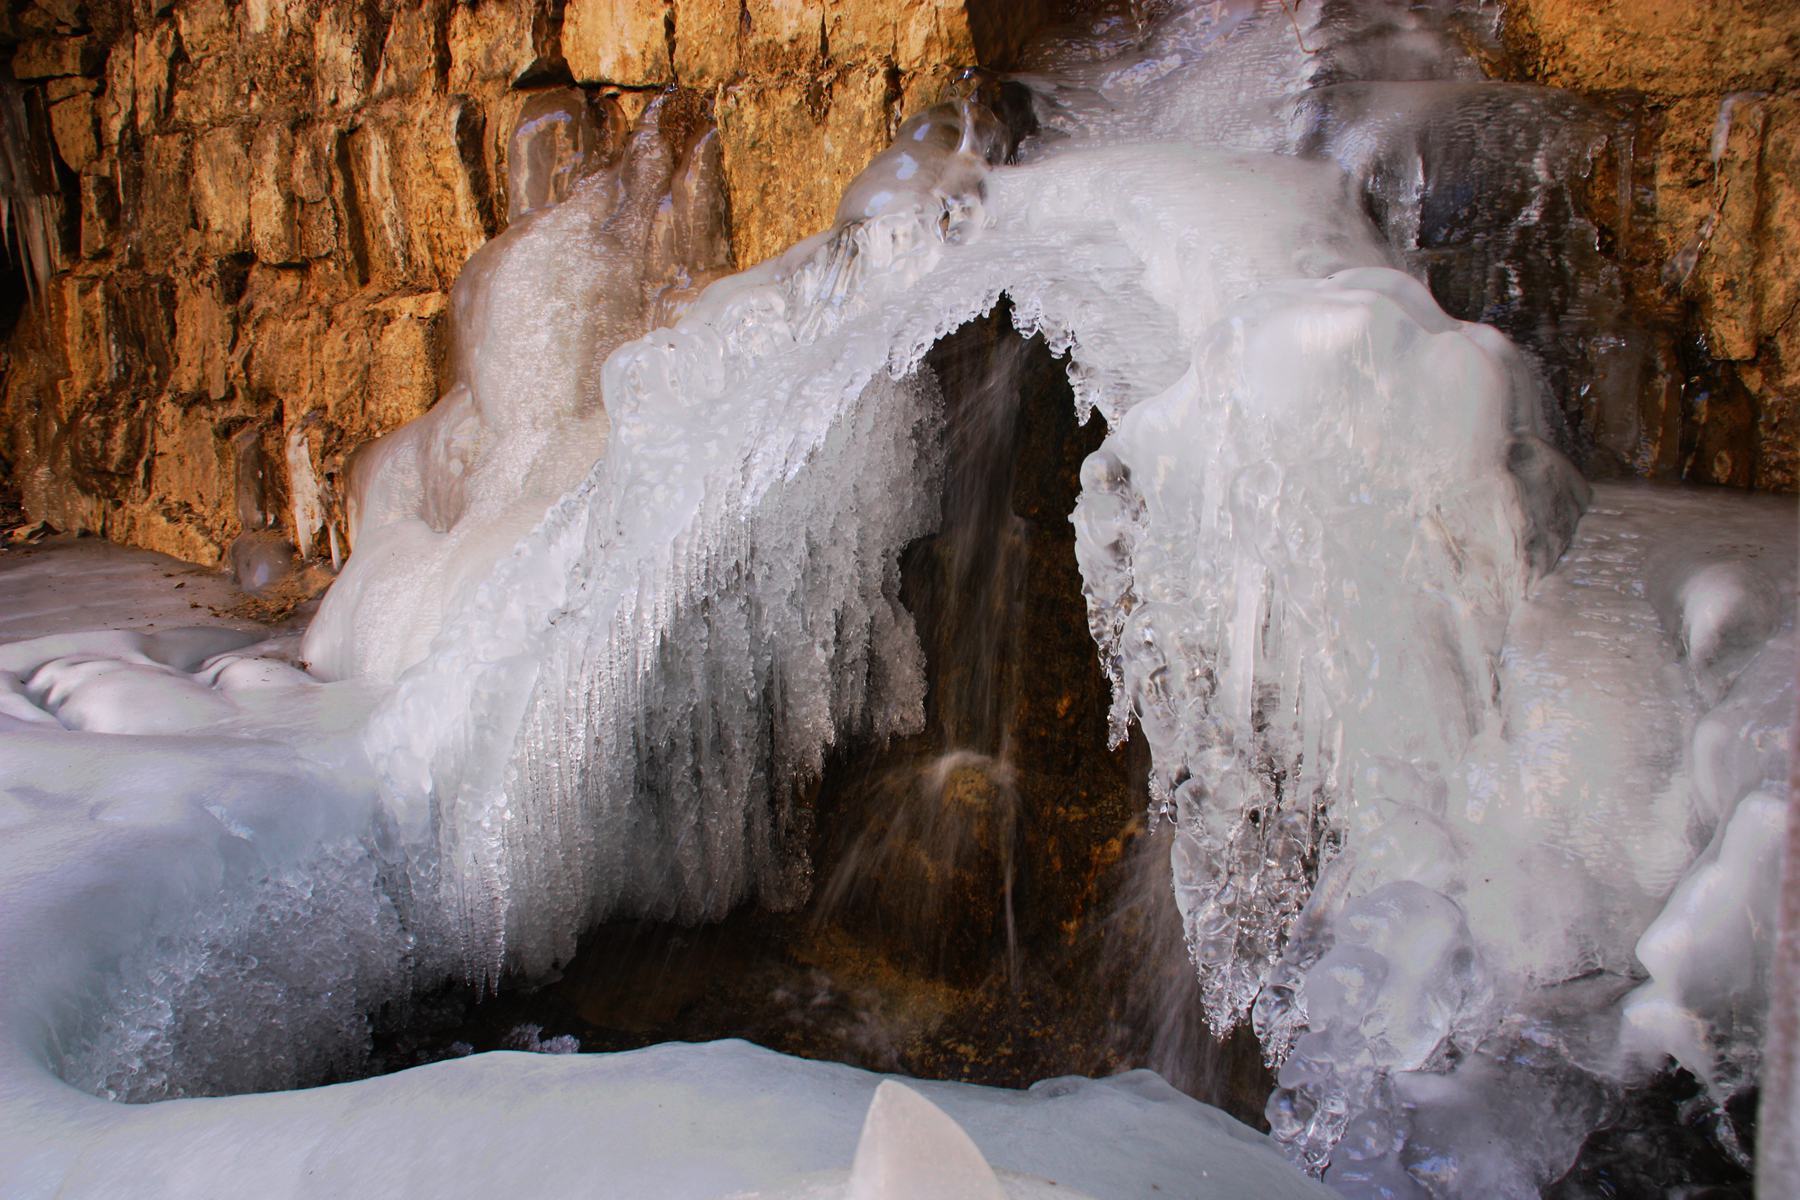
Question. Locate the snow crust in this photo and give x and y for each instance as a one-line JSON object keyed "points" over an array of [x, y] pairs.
{"points": [[681, 1122], [1473, 810]]}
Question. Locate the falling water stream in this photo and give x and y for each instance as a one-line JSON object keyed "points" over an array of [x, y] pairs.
{"points": [[933, 860]]}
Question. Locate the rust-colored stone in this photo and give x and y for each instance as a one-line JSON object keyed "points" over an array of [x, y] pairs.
{"points": [[1658, 46], [617, 41], [273, 199], [1715, 253], [72, 123]]}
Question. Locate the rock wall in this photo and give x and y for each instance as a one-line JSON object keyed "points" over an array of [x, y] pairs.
{"points": [[1700, 200], [252, 209], [261, 205]]}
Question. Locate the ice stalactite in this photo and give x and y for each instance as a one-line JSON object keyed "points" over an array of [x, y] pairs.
{"points": [[31, 201]]}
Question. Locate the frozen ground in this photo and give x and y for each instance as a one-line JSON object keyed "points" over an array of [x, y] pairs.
{"points": [[675, 1122], [64, 584]]}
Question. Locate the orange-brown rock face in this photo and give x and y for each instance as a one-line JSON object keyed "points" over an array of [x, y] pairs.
{"points": [[257, 208], [1708, 200], [265, 202]]}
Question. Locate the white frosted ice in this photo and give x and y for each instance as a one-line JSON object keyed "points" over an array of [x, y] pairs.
{"points": [[678, 1122], [435, 505], [1608, 822], [1474, 809]]}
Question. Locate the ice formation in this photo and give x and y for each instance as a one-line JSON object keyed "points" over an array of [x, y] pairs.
{"points": [[1474, 808], [30, 198], [676, 1122], [909, 1147]]}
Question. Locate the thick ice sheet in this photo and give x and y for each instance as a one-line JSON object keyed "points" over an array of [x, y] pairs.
{"points": [[675, 1122], [1615, 817], [66, 584]]}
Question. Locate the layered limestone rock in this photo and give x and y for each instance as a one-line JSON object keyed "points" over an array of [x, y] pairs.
{"points": [[1703, 196], [263, 204], [249, 212]]}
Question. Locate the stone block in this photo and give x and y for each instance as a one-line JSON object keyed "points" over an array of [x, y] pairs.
{"points": [[161, 207], [1656, 46], [1725, 278], [409, 53], [434, 175], [707, 34], [405, 373], [274, 228], [60, 89], [192, 466], [99, 214], [1778, 250], [620, 42], [346, 45], [932, 34], [118, 97], [203, 335], [153, 65], [783, 36], [205, 27], [44, 58], [72, 125], [768, 129], [210, 91], [221, 174], [500, 41], [376, 226]]}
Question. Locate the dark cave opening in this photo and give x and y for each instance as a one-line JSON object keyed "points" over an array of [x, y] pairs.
{"points": [[990, 904]]}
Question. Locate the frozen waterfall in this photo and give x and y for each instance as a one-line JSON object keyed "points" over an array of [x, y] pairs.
{"points": [[1472, 773]]}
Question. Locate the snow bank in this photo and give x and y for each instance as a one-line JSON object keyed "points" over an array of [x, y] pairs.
{"points": [[675, 1122]]}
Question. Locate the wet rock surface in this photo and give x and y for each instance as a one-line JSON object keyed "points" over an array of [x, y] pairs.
{"points": [[1694, 195]]}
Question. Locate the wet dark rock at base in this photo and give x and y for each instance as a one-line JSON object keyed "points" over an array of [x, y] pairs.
{"points": [[772, 980], [1667, 1140]]}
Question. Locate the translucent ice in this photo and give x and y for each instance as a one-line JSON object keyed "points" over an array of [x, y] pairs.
{"points": [[436, 504], [1609, 822]]}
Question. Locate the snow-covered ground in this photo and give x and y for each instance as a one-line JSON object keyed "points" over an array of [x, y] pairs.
{"points": [[677, 1122], [66, 584]]}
